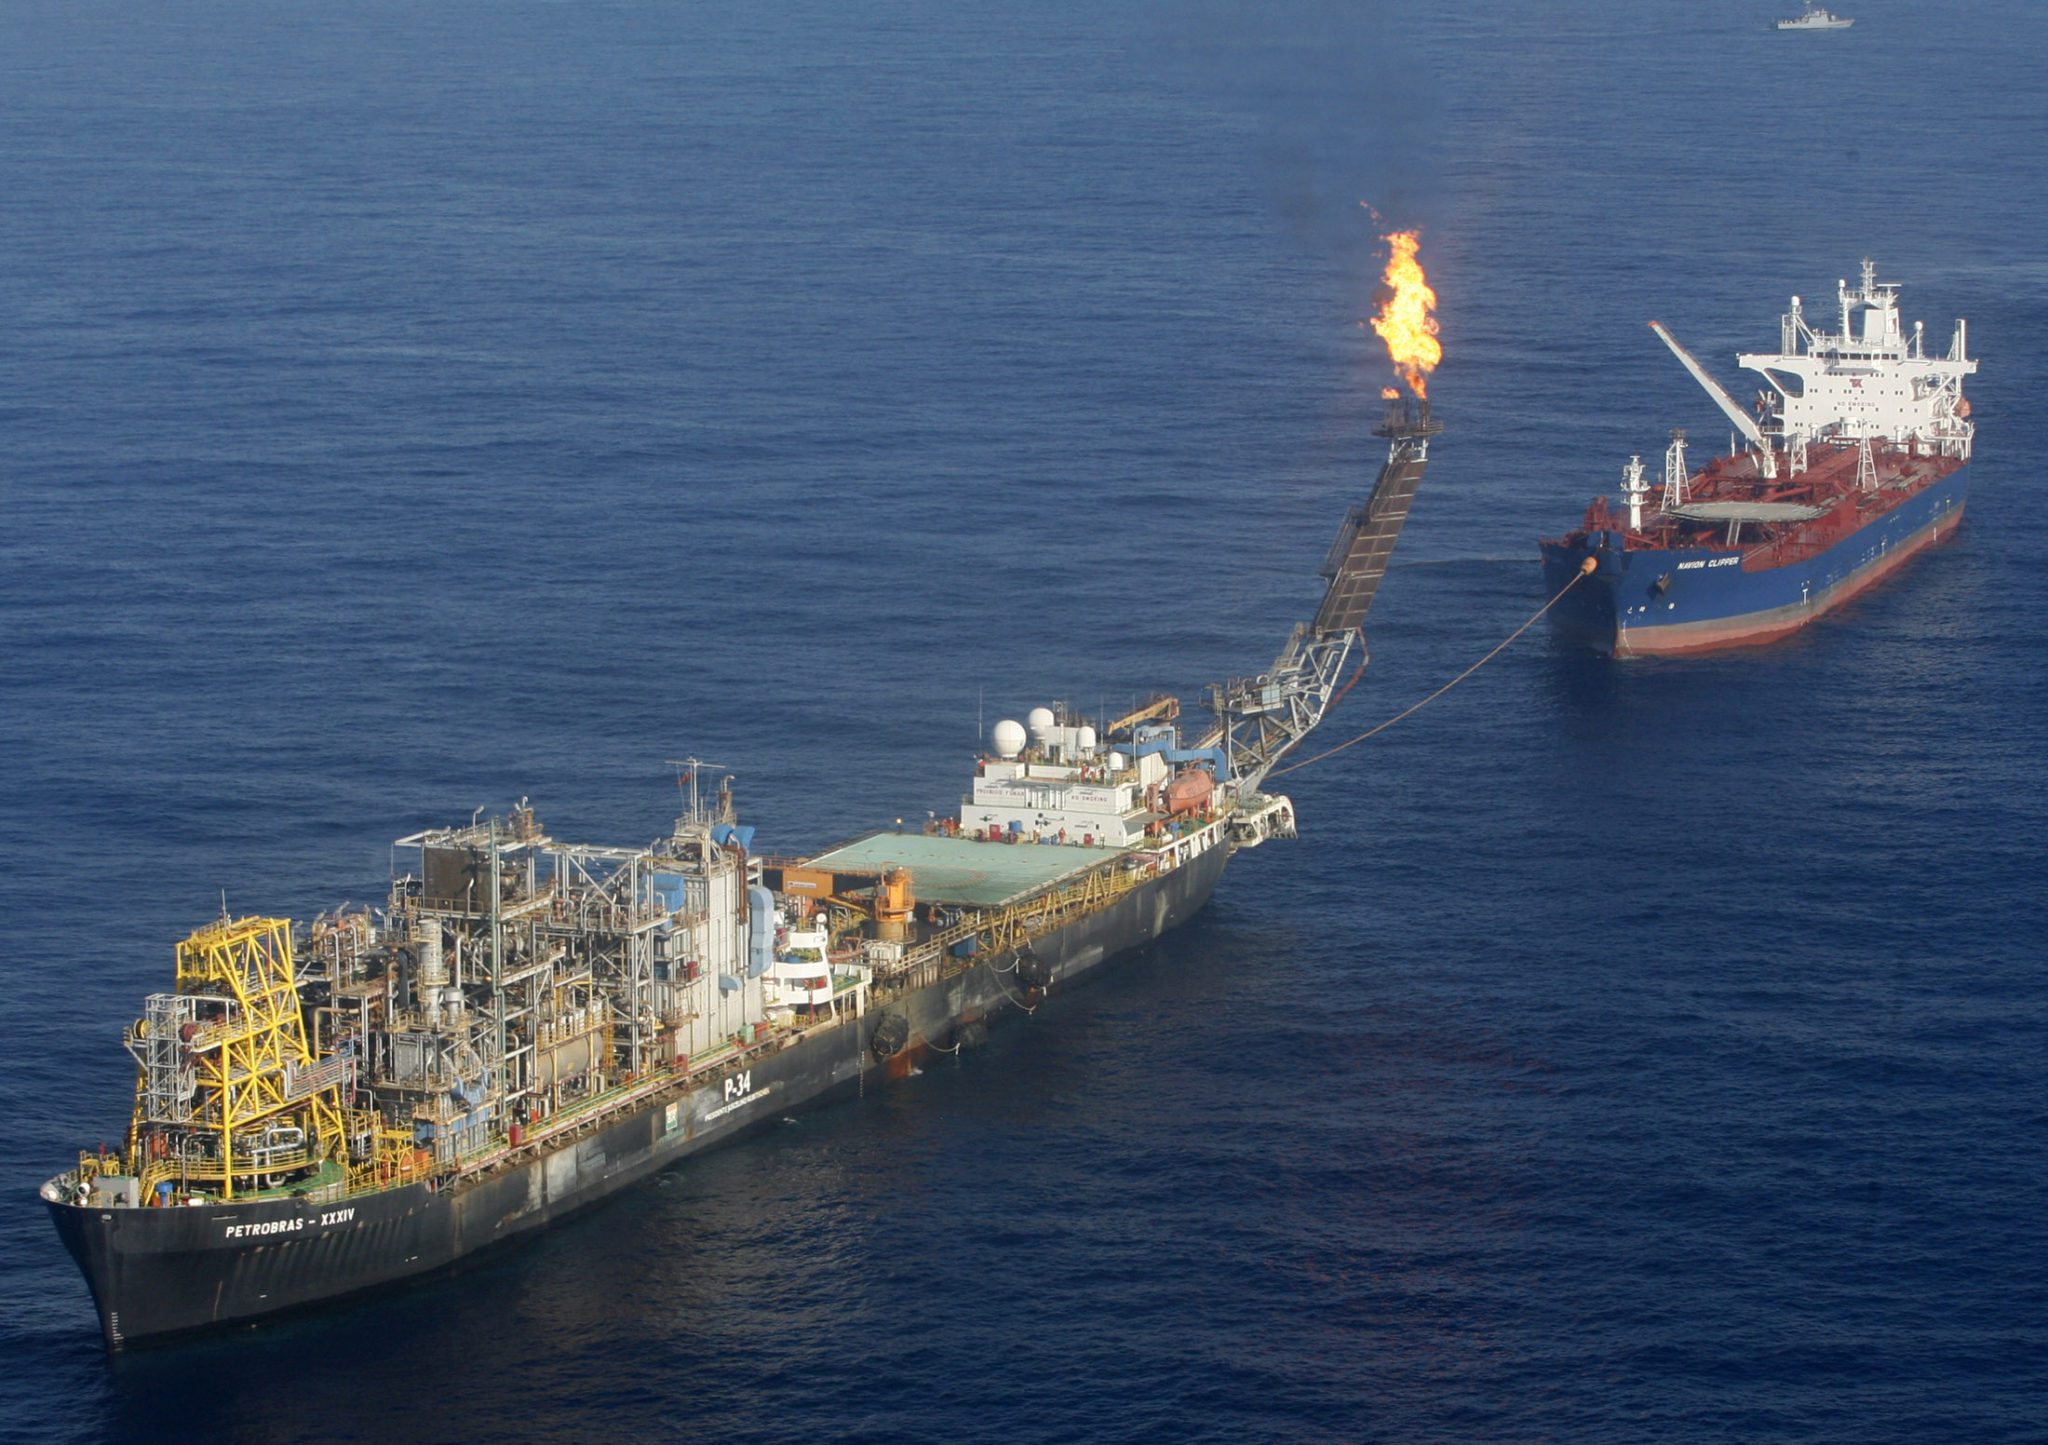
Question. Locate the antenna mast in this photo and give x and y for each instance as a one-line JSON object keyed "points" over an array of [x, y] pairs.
{"points": [[687, 770]]}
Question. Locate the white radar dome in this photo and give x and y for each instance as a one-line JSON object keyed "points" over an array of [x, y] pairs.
{"points": [[1086, 740], [1117, 762], [1041, 720], [1009, 738]]}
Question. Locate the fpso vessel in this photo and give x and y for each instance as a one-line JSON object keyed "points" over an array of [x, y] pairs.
{"points": [[528, 1025], [1857, 458]]}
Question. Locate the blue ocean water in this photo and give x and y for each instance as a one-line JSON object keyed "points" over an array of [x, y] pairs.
{"points": [[409, 407]]}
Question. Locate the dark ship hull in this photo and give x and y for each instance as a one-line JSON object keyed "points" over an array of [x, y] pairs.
{"points": [[160, 1272]]}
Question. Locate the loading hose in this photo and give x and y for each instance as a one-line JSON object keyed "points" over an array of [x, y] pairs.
{"points": [[1586, 569]]}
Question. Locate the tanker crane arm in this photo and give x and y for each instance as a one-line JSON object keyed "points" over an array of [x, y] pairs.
{"points": [[1258, 719], [1766, 458]]}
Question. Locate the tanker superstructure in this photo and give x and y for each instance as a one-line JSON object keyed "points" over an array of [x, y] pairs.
{"points": [[1856, 458], [528, 1025]]}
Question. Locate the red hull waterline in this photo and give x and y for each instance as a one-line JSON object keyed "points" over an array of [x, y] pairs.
{"points": [[1758, 628]]}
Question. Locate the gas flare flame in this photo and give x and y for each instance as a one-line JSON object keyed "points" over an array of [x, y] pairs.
{"points": [[1404, 321]]}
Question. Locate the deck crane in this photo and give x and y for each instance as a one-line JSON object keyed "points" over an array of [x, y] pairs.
{"points": [[1767, 461], [1260, 718]]}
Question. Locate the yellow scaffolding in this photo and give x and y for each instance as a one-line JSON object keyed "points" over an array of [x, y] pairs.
{"points": [[251, 1059], [1017, 925]]}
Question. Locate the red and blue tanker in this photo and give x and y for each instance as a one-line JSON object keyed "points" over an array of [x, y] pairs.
{"points": [[1857, 458]]}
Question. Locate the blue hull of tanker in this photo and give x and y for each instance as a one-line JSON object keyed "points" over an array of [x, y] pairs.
{"points": [[1696, 599]]}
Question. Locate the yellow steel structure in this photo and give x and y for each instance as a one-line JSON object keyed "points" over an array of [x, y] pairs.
{"points": [[1017, 924], [390, 1157], [252, 1062], [1165, 709]]}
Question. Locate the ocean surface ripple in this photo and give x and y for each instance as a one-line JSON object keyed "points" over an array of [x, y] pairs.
{"points": [[413, 406]]}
